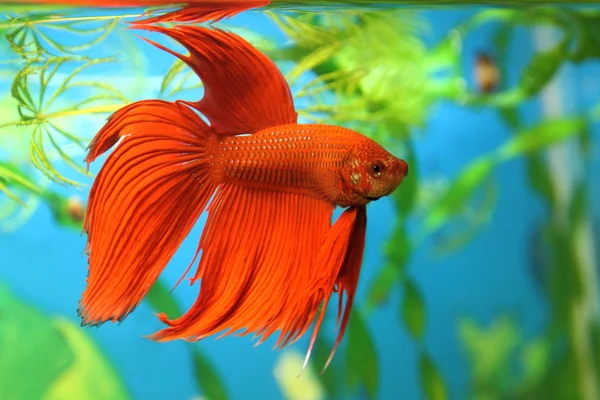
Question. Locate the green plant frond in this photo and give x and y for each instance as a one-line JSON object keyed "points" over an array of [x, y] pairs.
{"points": [[67, 83], [32, 37], [304, 29], [179, 78], [472, 222], [13, 215], [317, 57], [44, 92], [13, 180], [383, 80], [72, 138]]}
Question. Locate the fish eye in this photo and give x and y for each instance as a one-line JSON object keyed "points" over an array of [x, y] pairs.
{"points": [[376, 169]]}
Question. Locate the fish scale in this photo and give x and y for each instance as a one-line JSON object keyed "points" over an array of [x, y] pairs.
{"points": [[289, 158]]}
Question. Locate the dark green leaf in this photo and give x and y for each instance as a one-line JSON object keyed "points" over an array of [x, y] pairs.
{"points": [[578, 209], [382, 286], [595, 341], [431, 380], [406, 194], [329, 378], [361, 358], [503, 39], [33, 352], [160, 299], [542, 69], [586, 141], [588, 42], [539, 176], [210, 382], [565, 283], [510, 115], [413, 310], [459, 192], [546, 134], [398, 248]]}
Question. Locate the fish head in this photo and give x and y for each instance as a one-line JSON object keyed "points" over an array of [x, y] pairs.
{"points": [[370, 172]]}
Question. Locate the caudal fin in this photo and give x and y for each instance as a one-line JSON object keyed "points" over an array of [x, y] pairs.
{"points": [[143, 203]]}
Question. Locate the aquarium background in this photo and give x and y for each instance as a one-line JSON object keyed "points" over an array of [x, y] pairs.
{"points": [[480, 274]]}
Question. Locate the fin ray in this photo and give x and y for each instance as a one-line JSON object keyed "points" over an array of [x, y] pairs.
{"points": [[244, 91], [143, 203], [258, 271]]}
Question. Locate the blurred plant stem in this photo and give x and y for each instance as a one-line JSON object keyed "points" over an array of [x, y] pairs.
{"points": [[558, 176], [67, 113], [570, 214]]}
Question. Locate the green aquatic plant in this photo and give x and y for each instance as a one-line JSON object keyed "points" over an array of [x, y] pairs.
{"points": [[49, 357], [51, 73], [503, 364], [354, 65], [569, 274]]}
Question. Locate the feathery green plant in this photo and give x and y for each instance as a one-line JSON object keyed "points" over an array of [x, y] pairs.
{"points": [[51, 73]]}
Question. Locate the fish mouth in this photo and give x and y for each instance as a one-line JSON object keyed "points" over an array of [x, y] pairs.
{"points": [[371, 198]]}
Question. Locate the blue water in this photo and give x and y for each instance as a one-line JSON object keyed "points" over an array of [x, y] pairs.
{"points": [[43, 263]]}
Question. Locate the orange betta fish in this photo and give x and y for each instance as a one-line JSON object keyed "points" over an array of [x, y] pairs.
{"points": [[270, 254]]}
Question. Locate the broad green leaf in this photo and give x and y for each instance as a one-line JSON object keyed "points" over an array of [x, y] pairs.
{"points": [[405, 195], [161, 300], [578, 207], [362, 365], [588, 41], [398, 248], [545, 134], [542, 68], [209, 381], [539, 176], [536, 358], [90, 376], [34, 354], [382, 285], [432, 382], [413, 310], [489, 349], [472, 221], [459, 192]]}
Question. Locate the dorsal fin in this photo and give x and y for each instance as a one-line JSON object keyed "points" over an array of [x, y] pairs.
{"points": [[244, 91]]}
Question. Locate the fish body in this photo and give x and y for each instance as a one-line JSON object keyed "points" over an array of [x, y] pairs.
{"points": [[317, 160], [271, 257]]}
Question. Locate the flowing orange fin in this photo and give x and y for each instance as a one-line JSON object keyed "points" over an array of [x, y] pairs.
{"points": [[341, 254], [205, 10], [244, 91], [258, 271], [143, 203]]}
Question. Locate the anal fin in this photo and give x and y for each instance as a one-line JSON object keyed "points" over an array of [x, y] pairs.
{"points": [[257, 266]]}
